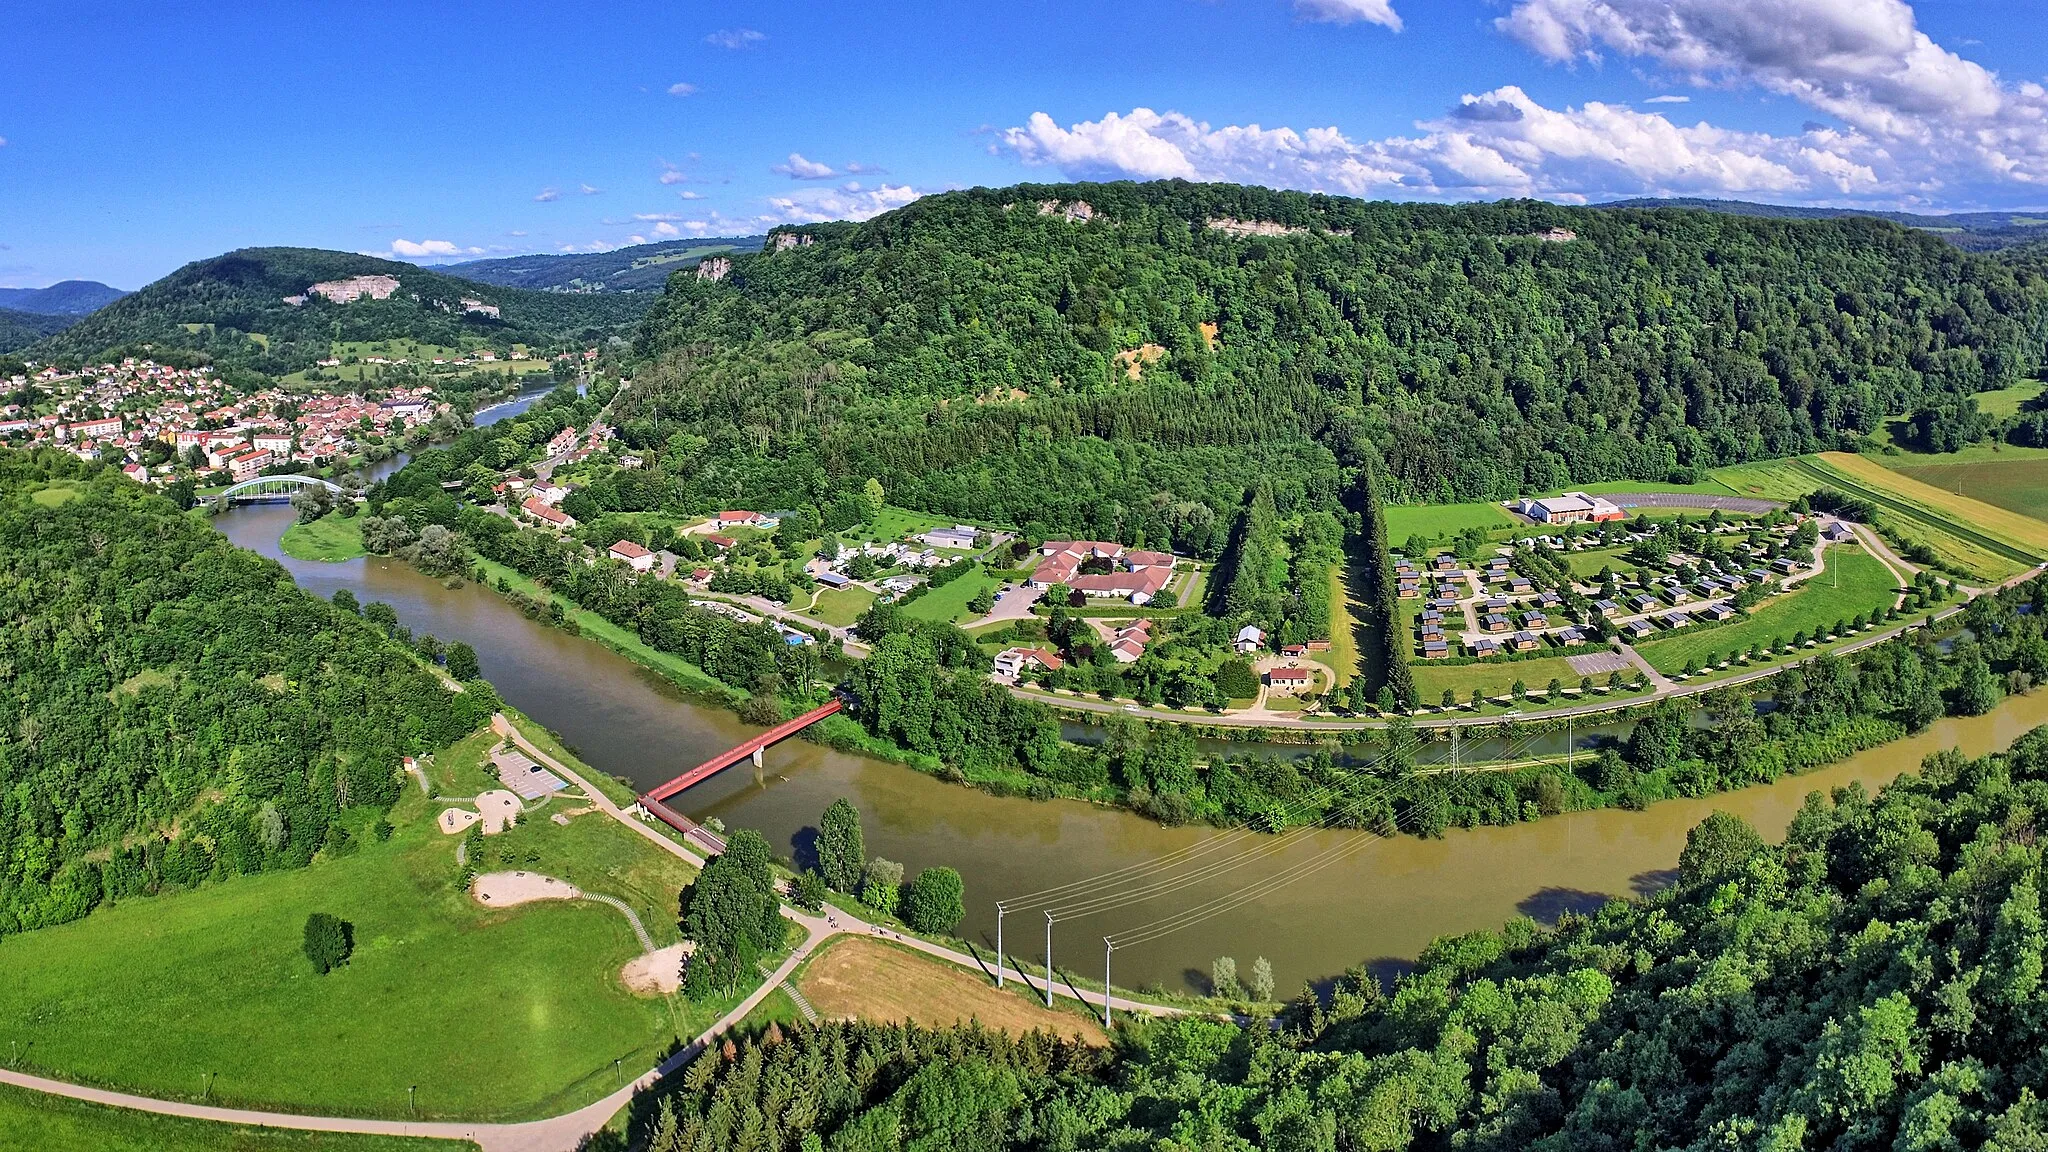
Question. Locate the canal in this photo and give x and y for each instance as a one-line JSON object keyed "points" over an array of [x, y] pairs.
{"points": [[1354, 899]]}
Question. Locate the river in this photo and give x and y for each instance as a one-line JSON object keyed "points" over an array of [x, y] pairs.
{"points": [[1357, 900]]}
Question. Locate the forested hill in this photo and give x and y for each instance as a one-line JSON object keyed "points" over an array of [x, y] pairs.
{"points": [[215, 306], [175, 707], [1873, 983], [636, 268], [966, 348], [1975, 231], [21, 329]]}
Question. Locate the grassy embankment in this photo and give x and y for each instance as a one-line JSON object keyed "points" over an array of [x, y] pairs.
{"points": [[881, 981], [620, 640], [501, 1014], [332, 538], [31, 1120]]}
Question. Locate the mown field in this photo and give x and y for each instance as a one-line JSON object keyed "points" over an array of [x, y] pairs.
{"points": [[494, 1014], [1439, 521], [1853, 583], [33, 1122], [949, 602], [856, 976], [1497, 678]]}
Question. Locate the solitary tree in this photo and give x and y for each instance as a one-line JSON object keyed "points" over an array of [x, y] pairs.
{"points": [[841, 847], [935, 902], [1223, 978], [328, 941], [882, 887]]}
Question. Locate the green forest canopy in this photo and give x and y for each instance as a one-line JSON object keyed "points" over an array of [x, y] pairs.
{"points": [[175, 707], [965, 351]]}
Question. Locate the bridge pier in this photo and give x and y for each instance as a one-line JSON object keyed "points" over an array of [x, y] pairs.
{"points": [[757, 757]]}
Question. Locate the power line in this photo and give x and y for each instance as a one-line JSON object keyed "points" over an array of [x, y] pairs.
{"points": [[1189, 917]]}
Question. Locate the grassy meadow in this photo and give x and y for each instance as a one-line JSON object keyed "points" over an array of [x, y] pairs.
{"points": [[494, 1013], [332, 538]]}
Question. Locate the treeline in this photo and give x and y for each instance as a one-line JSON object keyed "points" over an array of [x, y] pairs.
{"points": [[176, 708], [1278, 574], [1873, 982], [976, 355], [1389, 638]]}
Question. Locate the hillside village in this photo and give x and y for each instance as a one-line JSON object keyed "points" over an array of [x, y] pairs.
{"points": [[158, 422]]}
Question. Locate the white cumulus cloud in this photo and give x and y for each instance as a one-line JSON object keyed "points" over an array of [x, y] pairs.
{"points": [[431, 249], [1498, 143], [665, 229], [672, 176], [1379, 12], [1865, 62], [836, 204], [547, 195], [681, 88], [798, 168], [689, 194], [591, 190]]}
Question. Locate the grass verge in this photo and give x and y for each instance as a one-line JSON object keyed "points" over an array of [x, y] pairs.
{"points": [[31, 1120]]}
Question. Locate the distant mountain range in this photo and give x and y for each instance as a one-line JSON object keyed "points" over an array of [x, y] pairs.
{"points": [[65, 298], [255, 308], [1975, 231], [640, 268]]}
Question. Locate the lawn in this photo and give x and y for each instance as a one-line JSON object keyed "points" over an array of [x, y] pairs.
{"points": [[331, 538], [1441, 521], [1342, 658], [894, 523], [2017, 484], [949, 603], [494, 1014], [1587, 565], [1816, 606], [886, 983], [56, 493], [841, 606], [1497, 677], [31, 1120]]}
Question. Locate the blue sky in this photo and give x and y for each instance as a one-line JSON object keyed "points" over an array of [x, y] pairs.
{"points": [[137, 137]]}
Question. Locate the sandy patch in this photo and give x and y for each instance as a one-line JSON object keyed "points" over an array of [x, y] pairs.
{"points": [[454, 821], [656, 973], [499, 808], [1134, 360], [505, 889], [857, 976]]}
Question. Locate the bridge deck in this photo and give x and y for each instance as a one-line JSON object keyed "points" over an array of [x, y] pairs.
{"points": [[744, 751]]}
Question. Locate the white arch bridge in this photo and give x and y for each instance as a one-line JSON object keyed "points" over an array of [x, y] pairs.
{"points": [[263, 488]]}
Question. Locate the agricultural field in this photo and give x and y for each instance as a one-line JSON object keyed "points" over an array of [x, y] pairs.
{"points": [[31, 1120], [332, 538], [879, 981], [1959, 515], [494, 1014], [1853, 583], [2015, 483]]}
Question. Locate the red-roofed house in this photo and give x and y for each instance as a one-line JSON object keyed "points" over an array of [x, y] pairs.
{"points": [[1289, 679], [744, 519], [551, 517], [633, 555], [1012, 663]]}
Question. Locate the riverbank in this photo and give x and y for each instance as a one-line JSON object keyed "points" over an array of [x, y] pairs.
{"points": [[329, 540]]}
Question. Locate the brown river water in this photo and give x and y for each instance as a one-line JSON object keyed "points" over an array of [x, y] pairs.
{"points": [[1356, 900]]}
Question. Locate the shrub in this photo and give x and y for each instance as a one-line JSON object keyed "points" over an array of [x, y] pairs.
{"points": [[328, 941]]}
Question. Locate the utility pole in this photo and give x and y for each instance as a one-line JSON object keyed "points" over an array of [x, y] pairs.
{"points": [[1107, 948], [999, 943], [1048, 958]]}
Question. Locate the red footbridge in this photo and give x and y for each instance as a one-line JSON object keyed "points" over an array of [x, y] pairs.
{"points": [[655, 801]]}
